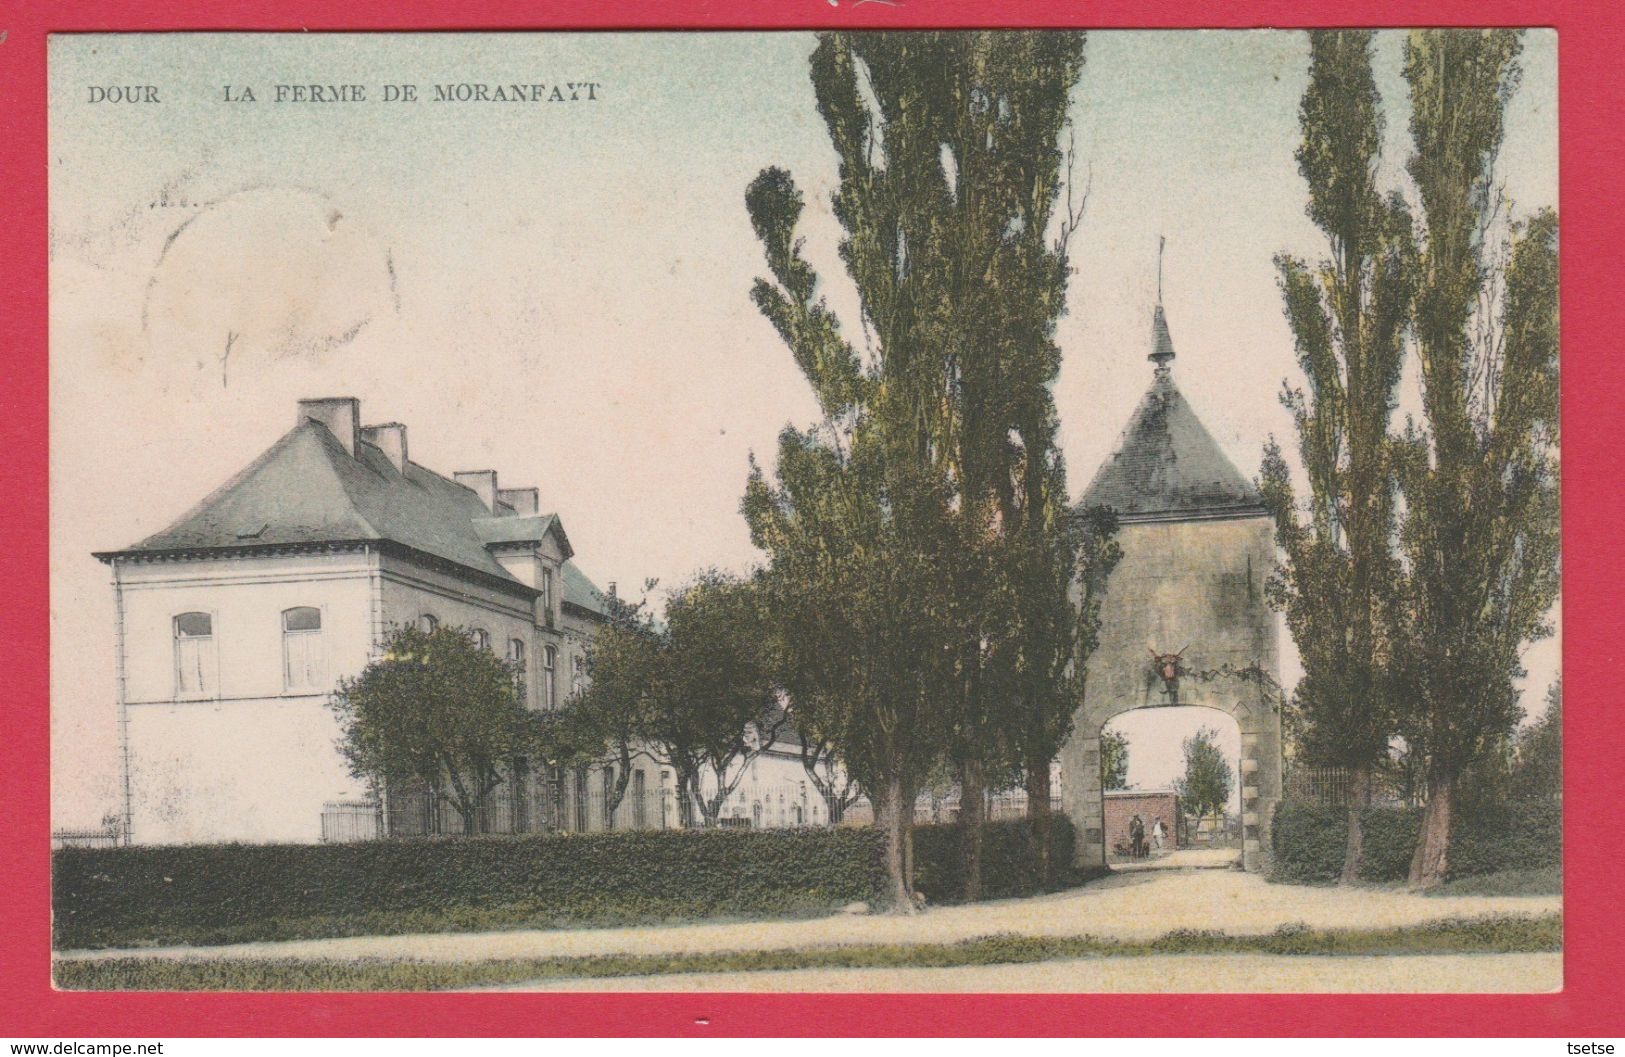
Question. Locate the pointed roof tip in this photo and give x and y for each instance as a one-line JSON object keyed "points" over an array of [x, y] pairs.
{"points": [[1162, 343], [1168, 467]]}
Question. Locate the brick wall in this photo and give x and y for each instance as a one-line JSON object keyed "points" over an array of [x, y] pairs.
{"points": [[1122, 807]]}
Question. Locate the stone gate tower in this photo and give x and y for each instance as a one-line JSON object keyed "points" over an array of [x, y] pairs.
{"points": [[1197, 546]]}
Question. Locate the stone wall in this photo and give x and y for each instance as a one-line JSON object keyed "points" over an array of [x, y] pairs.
{"points": [[1196, 587]]}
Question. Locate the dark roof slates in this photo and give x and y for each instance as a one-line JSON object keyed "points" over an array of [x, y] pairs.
{"points": [[1167, 465]]}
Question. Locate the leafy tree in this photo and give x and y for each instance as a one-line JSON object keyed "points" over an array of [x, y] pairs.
{"points": [[1113, 760], [694, 693], [835, 785], [930, 498], [604, 727], [1205, 787], [1538, 770], [437, 709], [1060, 577], [1348, 315], [850, 601], [1479, 473]]}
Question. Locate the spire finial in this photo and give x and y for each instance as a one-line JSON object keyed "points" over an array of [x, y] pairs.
{"points": [[1162, 345], [1162, 241]]}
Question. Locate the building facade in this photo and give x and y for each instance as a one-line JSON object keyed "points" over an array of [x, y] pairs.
{"points": [[234, 624]]}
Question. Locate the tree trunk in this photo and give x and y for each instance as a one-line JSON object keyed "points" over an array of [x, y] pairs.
{"points": [[1359, 798], [906, 806], [1039, 816], [467, 811], [1432, 859], [972, 809], [896, 824]]}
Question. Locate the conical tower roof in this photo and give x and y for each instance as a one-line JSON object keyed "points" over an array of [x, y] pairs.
{"points": [[1167, 466]]}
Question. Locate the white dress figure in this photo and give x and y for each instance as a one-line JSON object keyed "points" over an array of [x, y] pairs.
{"points": [[1156, 835]]}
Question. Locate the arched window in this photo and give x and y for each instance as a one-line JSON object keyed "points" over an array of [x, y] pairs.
{"points": [[550, 663], [482, 638], [430, 622], [302, 667], [194, 655]]}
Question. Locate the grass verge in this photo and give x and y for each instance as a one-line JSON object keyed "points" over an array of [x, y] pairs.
{"points": [[500, 917], [1539, 881], [1484, 935]]}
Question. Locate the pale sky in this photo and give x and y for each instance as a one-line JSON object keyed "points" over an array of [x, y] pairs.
{"points": [[559, 291]]}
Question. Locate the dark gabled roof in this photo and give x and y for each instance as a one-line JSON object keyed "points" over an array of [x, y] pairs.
{"points": [[306, 489], [1168, 465], [582, 592], [513, 528]]}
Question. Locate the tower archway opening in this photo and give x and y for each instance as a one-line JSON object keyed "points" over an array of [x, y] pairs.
{"points": [[1171, 794]]}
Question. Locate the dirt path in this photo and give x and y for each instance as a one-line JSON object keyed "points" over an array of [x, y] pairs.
{"points": [[1168, 974], [1137, 905]]}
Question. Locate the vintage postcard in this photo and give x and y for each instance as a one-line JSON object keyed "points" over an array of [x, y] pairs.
{"points": [[951, 511]]}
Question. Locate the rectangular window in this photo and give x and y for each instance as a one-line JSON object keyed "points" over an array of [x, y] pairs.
{"points": [[516, 655], [609, 798], [581, 799], [519, 792], [194, 655], [302, 648], [640, 810], [550, 663]]}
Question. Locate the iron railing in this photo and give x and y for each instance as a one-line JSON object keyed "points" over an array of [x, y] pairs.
{"points": [[106, 837], [1332, 785], [544, 804]]}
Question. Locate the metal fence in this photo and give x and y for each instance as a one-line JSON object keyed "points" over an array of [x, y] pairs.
{"points": [[107, 837], [1332, 785], [347, 820], [930, 808], [551, 803]]}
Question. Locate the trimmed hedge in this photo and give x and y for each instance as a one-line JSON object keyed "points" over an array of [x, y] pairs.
{"points": [[1390, 840], [1308, 841], [227, 892], [1525, 833], [1010, 864]]}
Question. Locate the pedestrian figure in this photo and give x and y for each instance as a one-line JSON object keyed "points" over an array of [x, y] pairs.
{"points": [[1136, 837], [1157, 833]]}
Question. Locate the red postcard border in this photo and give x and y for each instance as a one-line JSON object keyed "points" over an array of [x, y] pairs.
{"points": [[1592, 98]]}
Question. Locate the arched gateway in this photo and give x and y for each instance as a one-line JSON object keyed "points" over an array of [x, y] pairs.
{"points": [[1184, 620]]}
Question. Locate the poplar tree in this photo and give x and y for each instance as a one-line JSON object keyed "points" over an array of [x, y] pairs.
{"points": [[1479, 473], [1348, 313], [906, 528]]}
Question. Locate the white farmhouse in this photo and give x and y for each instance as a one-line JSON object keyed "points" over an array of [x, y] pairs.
{"points": [[235, 623]]}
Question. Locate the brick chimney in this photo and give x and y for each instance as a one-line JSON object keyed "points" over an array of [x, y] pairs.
{"points": [[526, 502], [390, 437], [482, 483], [340, 414]]}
